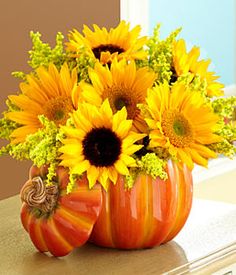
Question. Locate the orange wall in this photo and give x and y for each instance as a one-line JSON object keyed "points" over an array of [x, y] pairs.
{"points": [[17, 19]]}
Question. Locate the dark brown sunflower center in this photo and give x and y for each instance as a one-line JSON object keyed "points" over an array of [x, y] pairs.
{"points": [[120, 96], [177, 128], [120, 102], [58, 109], [107, 48], [102, 147], [174, 76]]}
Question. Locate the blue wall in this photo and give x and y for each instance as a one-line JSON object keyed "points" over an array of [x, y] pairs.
{"points": [[209, 24]]}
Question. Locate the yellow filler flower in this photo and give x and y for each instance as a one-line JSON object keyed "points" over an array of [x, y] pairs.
{"points": [[181, 122], [52, 93], [123, 85], [100, 144], [184, 63], [104, 45]]}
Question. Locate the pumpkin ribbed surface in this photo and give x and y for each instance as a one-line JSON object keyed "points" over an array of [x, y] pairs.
{"points": [[150, 213], [70, 224]]}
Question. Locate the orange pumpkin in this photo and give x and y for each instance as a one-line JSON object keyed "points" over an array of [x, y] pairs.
{"points": [[61, 221], [150, 213]]}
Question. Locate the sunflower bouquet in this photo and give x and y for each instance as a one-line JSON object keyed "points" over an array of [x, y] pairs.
{"points": [[109, 106]]}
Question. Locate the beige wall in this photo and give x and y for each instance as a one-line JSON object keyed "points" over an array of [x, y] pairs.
{"points": [[17, 19]]}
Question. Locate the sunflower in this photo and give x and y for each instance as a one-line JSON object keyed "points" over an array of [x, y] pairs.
{"points": [[184, 63], [101, 143], [123, 85], [51, 93], [181, 122], [104, 45]]}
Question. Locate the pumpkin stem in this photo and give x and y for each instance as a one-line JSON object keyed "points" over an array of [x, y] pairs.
{"points": [[37, 194]]}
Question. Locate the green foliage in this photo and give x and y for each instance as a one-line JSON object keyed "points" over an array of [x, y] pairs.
{"points": [[40, 147], [51, 172], [149, 164], [11, 107], [20, 75], [225, 107], [162, 153], [83, 62], [228, 131], [42, 54], [72, 181], [195, 83], [160, 54], [7, 126], [224, 148], [152, 165]]}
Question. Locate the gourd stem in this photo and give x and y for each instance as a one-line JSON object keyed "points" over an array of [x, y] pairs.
{"points": [[37, 194]]}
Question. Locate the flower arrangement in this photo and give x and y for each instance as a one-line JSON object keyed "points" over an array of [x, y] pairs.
{"points": [[106, 104]]}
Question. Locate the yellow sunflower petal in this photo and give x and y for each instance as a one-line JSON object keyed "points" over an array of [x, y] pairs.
{"points": [[47, 83], [197, 158], [22, 117], [130, 74], [132, 149], [124, 128], [204, 151], [33, 90], [157, 141], [72, 132], [71, 149], [71, 162], [81, 167], [113, 175], [121, 167], [106, 112], [185, 158], [105, 57], [209, 138], [21, 132], [132, 138], [118, 118], [129, 161], [81, 121], [151, 123], [96, 81], [104, 74], [75, 96], [92, 175], [27, 104], [187, 63], [103, 177], [66, 83]]}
